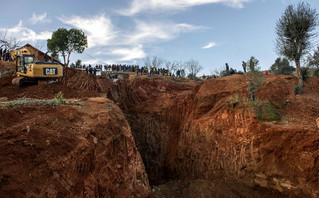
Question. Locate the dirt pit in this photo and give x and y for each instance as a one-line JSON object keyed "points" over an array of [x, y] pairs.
{"points": [[159, 137]]}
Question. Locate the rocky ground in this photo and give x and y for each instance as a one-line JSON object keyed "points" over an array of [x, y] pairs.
{"points": [[158, 137]]}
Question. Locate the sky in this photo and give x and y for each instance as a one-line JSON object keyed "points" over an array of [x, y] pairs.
{"points": [[213, 32]]}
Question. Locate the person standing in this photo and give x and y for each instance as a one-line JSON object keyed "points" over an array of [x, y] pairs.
{"points": [[227, 69], [244, 66]]}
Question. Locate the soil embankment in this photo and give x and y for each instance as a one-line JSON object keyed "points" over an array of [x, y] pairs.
{"points": [[69, 151], [195, 139]]}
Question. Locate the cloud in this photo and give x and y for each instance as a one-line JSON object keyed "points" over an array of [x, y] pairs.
{"points": [[210, 45], [127, 54], [42, 18], [128, 44], [24, 34], [153, 31], [99, 29], [164, 5]]}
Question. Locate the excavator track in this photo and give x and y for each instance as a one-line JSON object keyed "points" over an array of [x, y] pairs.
{"points": [[18, 81]]}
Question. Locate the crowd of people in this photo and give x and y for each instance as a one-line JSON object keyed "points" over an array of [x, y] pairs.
{"points": [[5, 54], [126, 68]]}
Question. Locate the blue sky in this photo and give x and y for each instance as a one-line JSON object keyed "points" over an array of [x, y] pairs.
{"points": [[126, 31]]}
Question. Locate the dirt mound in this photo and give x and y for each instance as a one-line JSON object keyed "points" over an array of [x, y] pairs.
{"points": [[6, 68], [47, 91], [69, 151], [78, 79]]}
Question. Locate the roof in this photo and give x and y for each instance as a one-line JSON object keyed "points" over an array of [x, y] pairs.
{"points": [[40, 54]]}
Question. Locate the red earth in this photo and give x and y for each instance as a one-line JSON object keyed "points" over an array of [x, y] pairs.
{"points": [[183, 138]]}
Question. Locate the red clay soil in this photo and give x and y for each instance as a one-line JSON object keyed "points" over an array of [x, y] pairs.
{"points": [[204, 138], [6, 67], [188, 133], [69, 151]]}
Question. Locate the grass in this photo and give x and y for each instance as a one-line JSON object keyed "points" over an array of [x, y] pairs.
{"points": [[264, 110], [57, 100]]}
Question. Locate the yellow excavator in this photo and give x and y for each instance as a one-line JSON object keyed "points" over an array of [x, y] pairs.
{"points": [[30, 70]]}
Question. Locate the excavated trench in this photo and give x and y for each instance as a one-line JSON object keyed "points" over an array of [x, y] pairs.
{"points": [[192, 142], [153, 125]]}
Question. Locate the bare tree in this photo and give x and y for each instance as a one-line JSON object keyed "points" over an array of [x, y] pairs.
{"points": [[9, 43], [193, 67], [172, 66], [153, 62]]}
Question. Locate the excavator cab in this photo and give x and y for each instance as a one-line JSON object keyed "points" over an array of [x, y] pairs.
{"points": [[22, 62]]}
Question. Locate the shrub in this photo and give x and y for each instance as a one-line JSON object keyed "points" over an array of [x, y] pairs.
{"points": [[297, 89], [305, 73], [265, 111], [58, 99]]}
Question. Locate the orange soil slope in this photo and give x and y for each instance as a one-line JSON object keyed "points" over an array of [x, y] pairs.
{"points": [[69, 151], [227, 141], [188, 132]]}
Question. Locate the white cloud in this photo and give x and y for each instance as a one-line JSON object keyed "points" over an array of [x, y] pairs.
{"points": [[24, 34], [99, 29], [150, 32], [125, 45], [210, 45], [163, 5], [127, 54], [42, 18]]}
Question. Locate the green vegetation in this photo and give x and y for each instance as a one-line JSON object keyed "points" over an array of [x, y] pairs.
{"points": [[265, 111], [282, 66], [57, 100], [65, 42], [295, 31], [255, 76]]}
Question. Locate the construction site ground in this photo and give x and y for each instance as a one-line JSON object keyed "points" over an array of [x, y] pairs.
{"points": [[157, 137]]}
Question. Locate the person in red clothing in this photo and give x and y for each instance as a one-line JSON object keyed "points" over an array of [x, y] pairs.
{"points": [[266, 72]]}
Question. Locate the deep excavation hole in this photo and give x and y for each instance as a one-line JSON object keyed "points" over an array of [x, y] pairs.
{"points": [[151, 138]]}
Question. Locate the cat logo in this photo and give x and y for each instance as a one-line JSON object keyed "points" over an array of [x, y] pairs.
{"points": [[50, 71]]}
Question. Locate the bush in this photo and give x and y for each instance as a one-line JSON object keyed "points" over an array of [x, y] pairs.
{"points": [[297, 89], [58, 99], [305, 73], [265, 111], [316, 73]]}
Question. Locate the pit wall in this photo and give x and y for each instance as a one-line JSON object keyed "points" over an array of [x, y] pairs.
{"points": [[84, 150], [233, 146], [200, 135]]}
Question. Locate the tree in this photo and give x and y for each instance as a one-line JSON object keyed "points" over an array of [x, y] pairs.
{"points": [[282, 66], [78, 63], [9, 43], [255, 76], [313, 61], [155, 61], [294, 33], [65, 42], [193, 67]]}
